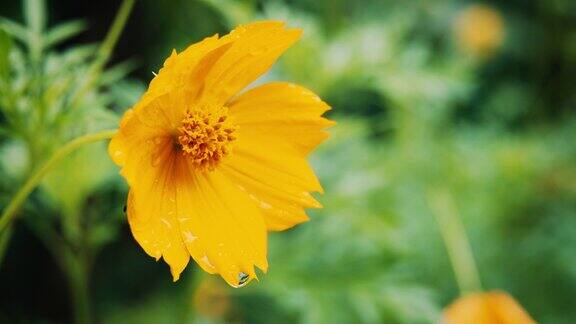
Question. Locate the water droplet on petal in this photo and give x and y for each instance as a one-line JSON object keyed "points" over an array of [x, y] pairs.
{"points": [[118, 154], [243, 279], [189, 237], [265, 205], [165, 222], [207, 262], [155, 160]]}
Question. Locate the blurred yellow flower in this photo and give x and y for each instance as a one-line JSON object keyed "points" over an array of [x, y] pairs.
{"points": [[494, 307], [211, 170], [479, 30], [211, 299]]}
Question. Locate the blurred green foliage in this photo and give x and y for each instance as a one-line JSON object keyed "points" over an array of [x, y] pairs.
{"points": [[415, 114]]}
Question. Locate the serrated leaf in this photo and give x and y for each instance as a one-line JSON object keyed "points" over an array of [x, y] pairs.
{"points": [[63, 32], [14, 29]]}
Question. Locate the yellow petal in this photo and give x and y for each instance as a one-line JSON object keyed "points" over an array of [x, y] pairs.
{"points": [[486, 308], [279, 124], [144, 139], [274, 177], [222, 228], [177, 69], [284, 111], [155, 228], [218, 68], [255, 49], [143, 148]]}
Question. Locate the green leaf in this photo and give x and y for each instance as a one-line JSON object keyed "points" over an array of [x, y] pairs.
{"points": [[80, 53], [14, 29], [234, 12], [4, 131], [5, 46], [125, 93], [77, 176], [63, 32], [117, 72], [14, 158], [102, 233]]}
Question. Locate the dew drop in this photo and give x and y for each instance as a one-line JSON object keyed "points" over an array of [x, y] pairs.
{"points": [[207, 261], [155, 161], [265, 205], [167, 223], [118, 154], [183, 219], [243, 279], [189, 237]]}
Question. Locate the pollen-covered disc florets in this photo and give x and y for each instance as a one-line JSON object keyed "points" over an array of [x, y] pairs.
{"points": [[205, 136]]}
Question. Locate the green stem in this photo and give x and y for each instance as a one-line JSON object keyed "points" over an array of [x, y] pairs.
{"points": [[104, 51], [10, 212], [4, 239], [194, 279], [77, 269], [73, 256], [455, 239]]}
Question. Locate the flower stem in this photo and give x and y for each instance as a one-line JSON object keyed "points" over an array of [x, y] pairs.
{"points": [[4, 240], [455, 239], [78, 272], [10, 212]]}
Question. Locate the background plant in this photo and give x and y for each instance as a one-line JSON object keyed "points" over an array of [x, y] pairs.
{"points": [[49, 97], [418, 121]]}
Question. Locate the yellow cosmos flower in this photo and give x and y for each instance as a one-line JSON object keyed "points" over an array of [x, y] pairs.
{"points": [[211, 299], [211, 169], [479, 30], [494, 307]]}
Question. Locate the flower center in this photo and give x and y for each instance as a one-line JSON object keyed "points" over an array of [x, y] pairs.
{"points": [[205, 136]]}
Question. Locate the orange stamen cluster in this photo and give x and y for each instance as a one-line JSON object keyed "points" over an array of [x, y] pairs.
{"points": [[205, 137]]}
